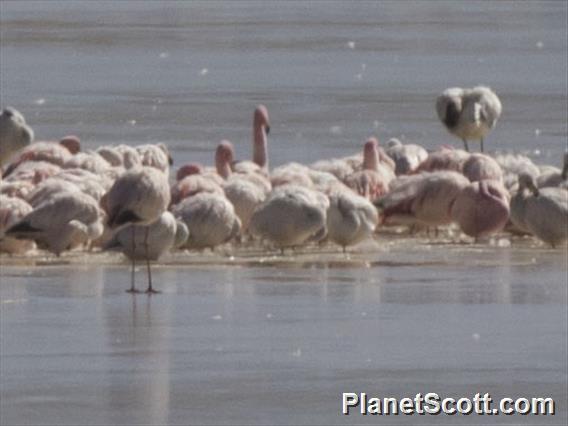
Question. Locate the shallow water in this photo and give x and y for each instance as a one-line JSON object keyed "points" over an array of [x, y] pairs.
{"points": [[257, 338], [242, 338], [331, 74]]}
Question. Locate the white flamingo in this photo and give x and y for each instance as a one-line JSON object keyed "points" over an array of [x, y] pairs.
{"points": [[469, 114], [64, 221], [350, 218], [15, 134], [407, 157], [149, 242], [13, 210], [290, 216], [138, 197], [541, 212], [210, 219]]}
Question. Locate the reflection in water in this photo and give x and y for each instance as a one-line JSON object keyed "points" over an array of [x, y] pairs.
{"points": [[138, 366]]}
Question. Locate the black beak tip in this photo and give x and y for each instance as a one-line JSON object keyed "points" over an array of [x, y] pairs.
{"points": [[267, 129]]}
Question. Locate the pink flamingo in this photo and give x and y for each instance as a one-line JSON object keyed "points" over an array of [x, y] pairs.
{"points": [[481, 209], [244, 190], [422, 199], [373, 181], [261, 129]]}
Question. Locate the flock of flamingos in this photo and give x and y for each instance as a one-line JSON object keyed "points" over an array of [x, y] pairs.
{"points": [[57, 197]]}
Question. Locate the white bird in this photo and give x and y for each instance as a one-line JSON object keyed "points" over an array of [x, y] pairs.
{"points": [[12, 210], [15, 134], [156, 156], [243, 190], [469, 114], [290, 216], [350, 218], [210, 218], [90, 161], [555, 178], [541, 212], [407, 157], [138, 197], [163, 235], [62, 222]]}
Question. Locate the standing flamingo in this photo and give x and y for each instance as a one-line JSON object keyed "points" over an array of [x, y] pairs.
{"points": [[138, 197], [469, 114]]}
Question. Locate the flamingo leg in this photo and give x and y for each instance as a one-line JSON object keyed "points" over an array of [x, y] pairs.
{"points": [[149, 290], [481, 144], [132, 289], [465, 145]]}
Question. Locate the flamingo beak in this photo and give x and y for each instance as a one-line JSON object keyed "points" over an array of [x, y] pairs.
{"points": [[267, 128]]}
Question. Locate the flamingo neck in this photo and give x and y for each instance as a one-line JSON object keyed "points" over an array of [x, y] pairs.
{"points": [[371, 159], [260, 146], [223, 168]]}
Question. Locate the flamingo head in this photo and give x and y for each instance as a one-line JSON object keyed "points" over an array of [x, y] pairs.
{"points": [[72, 143], [261, 118], [188, 170]]}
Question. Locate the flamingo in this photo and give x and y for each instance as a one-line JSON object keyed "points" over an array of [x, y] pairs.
{"points": [[541, 212], [15, 134], [555, 178], [261, 129], [149, 242], [444, 159], [481, 209], [138, 197], [244, 191], [72, 143], [350, 218], [469, 114], [62, 222], [290, 215], [407, 157], [373, 181], [210, 219], [156, 156], [12, 210], [514, 165], [481, 167], [423, 199], [90, 161]]}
